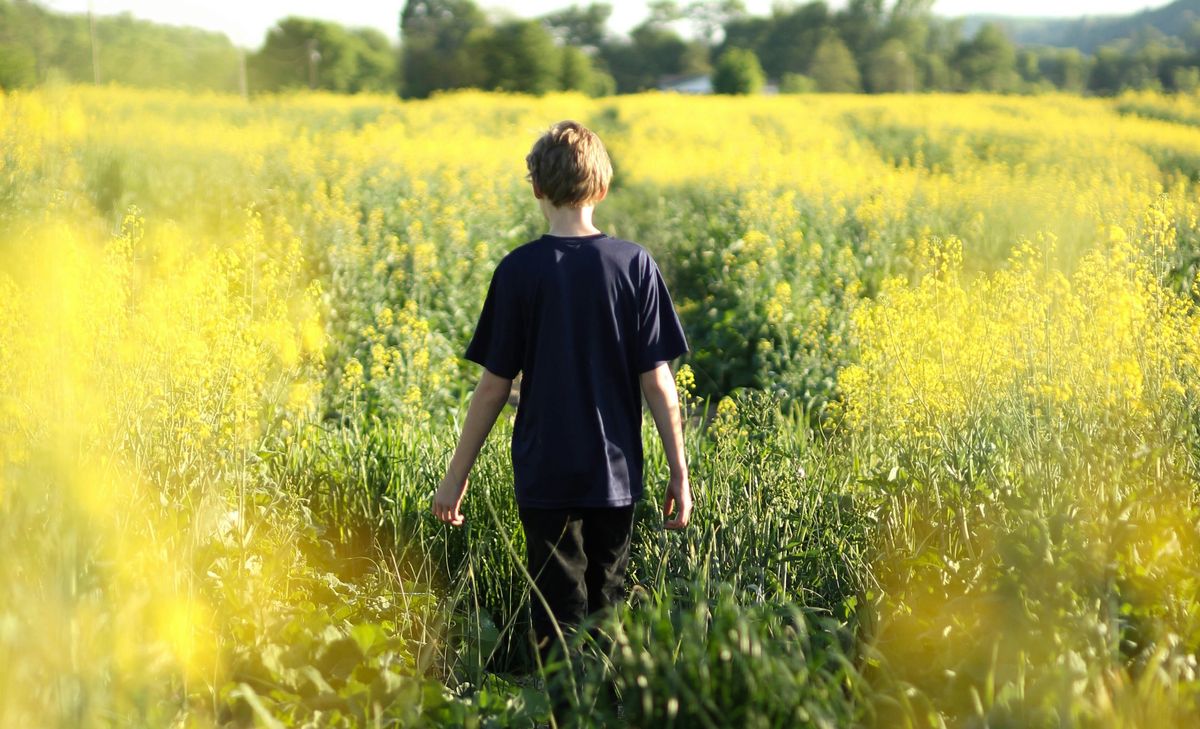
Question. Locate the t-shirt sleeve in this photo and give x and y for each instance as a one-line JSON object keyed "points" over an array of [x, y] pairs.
{"points": [[499, 338], [660, 336]]}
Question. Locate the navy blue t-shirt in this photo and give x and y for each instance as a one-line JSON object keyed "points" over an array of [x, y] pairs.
{"points": [[581, 317]]}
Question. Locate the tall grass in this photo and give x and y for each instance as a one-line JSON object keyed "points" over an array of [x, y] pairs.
{"points": [[940, 412]]}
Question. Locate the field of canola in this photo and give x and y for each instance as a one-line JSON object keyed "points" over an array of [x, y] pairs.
{"points": [[943, 400]]}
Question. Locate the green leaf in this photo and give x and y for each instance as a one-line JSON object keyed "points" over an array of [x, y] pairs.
{"points": [[368, 636], [247, 694]]}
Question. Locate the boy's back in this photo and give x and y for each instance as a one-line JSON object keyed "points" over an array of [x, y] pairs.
{"points": [[581, 317], [588, 320]]}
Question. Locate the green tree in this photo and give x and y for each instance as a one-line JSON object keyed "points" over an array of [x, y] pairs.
{"points": [[696, 58], [1117, 68], [664, 12], [580, 27], [911, 24], [936, 74], [860, 25], [37, 44], [653, 51], [1028, 67], [748, 31], [1191, 36], [796, 83], [890, 69], [1185, 79], [833, 67], [438, 41], [520, 55], [935, 63], [576, 70], [18, 67], [300, 52], [25, 39], [793, 37], [376, 61], [1108, 71], [578, 73], [1066, 68], [708, 17], [738, 71], [988, 61], [137, 53]]}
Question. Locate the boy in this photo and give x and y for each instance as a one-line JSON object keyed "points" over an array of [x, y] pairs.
{"points": [[587, 318]]}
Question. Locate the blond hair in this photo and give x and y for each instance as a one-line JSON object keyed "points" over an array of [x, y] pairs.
{"points": [[569, 165]]}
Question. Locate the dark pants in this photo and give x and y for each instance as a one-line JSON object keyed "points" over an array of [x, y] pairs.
{"points": [[577, 558]]}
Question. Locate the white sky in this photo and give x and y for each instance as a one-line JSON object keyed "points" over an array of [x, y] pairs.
{"points": [[246, 21]]}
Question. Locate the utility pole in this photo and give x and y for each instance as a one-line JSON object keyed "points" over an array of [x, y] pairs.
{"points": [[95, 48], [242, 85], [314, 57]]}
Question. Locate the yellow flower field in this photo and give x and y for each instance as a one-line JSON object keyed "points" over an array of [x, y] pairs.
{"points": [[950, 343]]}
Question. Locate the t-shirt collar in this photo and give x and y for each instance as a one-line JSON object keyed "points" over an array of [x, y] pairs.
{"points": [[592, 236]]}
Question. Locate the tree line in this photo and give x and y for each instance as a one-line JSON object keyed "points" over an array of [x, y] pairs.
{"points": [[869, 46], [39, 46]]}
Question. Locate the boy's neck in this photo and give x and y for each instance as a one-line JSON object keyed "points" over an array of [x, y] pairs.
{"points": [[570, 222]]}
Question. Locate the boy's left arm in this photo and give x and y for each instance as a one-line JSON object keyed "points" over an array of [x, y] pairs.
{"points": [[490, 396]]}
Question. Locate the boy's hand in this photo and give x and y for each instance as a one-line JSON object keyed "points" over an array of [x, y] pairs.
{"points": [[448, 498], [679, 501], [490, 396]]}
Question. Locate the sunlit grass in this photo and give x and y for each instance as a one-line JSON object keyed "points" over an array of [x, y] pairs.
{"points": [[941, 410]]}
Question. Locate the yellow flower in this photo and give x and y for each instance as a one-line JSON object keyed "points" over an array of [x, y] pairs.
{"points": [[727, 408], [352, 376], [685, 379], [412, 396]]}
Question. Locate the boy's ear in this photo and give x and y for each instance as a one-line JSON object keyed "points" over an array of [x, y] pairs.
{"points": [[603, 194], [537, 193]]}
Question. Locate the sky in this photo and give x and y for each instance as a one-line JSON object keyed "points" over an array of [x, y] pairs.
{"points": [[246, 22]]}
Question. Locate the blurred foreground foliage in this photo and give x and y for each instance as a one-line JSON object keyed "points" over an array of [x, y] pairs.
{"points": [[941, 407]]}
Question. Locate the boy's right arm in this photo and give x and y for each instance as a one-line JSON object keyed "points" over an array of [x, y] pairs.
{"points": [[658, 387], [490, 396]]}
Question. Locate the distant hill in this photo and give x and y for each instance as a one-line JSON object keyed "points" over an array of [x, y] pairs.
{"points": [[1089, 33]]}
